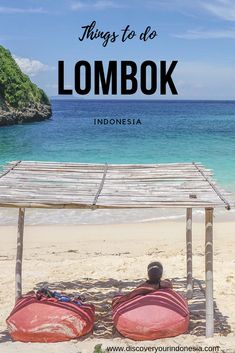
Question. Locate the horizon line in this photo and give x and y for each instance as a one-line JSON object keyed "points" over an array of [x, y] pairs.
{"points": [[144, 99]]}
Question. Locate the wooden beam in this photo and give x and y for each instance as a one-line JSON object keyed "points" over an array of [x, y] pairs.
{"points": [[74, 185], [189, 254], [209, 272], [19, 254]]}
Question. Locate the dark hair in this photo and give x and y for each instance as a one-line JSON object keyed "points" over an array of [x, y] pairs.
{"points": [[155, 270]]}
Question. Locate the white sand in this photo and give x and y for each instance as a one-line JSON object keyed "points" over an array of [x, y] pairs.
{"points": [[100, 260]]}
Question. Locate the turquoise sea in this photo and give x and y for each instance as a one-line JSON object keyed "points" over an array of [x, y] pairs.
{"points": [[171, 131]]}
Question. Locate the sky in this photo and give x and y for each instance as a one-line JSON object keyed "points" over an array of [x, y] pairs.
{"points": [[200, 34]]}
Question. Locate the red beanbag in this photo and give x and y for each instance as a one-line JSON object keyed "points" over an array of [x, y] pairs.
{"points": [[49, 320], [160, 314]]}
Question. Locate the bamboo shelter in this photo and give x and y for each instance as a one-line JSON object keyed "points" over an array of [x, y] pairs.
{"points": [[54, 185]]}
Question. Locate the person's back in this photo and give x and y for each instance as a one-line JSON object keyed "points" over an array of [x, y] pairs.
{"points": [[154, 282]]}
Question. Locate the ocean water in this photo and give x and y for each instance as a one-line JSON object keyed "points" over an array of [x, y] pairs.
{"points": [[170, 131]]}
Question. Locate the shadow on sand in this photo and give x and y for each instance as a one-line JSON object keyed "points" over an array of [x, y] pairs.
{"points": [[101, 292]]}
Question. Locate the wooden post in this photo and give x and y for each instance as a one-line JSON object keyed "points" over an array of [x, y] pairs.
{"points": [[19, 254], [209, 272], [189, 253]]}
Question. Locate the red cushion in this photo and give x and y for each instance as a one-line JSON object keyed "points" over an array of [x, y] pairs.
{"points": [[49, 320], [160, 314]]}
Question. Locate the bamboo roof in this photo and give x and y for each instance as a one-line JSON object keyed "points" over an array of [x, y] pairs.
{"points": [[73, 185]]}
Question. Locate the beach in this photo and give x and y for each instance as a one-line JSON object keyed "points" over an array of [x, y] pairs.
{"points": [[117, 141], [100, 261]]}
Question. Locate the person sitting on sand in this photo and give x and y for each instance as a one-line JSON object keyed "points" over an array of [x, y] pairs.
{"points": [[154, 282]]}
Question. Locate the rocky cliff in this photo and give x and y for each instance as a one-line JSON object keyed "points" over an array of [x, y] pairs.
{"points": [[21, 101]]}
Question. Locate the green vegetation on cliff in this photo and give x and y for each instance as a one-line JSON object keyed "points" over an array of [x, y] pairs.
{"points": [[16, 89]]}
